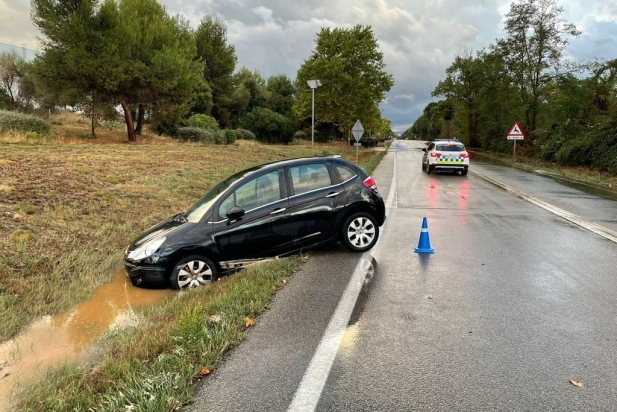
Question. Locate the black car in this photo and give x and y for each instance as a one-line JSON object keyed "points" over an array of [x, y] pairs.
{"points": [[266, 211]]}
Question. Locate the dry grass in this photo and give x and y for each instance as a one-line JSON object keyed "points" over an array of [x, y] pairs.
{"points": [[69, 208]]}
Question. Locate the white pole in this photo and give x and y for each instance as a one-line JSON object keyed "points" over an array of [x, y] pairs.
{"points": [[313, 120]]}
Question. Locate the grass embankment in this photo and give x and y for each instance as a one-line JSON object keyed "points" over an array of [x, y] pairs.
{"points": [[68, 208]]}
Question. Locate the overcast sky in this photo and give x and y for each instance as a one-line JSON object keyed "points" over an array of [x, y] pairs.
{"points": [[418, 38]]}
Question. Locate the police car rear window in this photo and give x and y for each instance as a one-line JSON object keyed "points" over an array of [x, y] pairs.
{"points": [[450, 148]]}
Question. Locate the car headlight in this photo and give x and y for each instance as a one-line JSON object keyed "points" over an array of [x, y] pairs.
{"points": [[147, 249]]}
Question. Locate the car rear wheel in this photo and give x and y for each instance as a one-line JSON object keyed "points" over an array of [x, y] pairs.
{"points": [[360, 232], [192, 272], [464, 172], [430, 169]]}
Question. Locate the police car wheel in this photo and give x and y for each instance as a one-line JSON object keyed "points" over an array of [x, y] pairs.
{"points": [[430, 169], [464, 172]]}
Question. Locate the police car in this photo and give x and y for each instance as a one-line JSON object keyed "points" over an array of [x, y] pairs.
{"points": [[445, 155]]}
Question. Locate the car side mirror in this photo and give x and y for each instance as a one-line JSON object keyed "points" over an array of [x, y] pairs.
{"points": [[235, 213], [424, 149]]}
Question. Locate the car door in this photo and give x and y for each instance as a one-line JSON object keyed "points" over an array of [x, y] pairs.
{"points": [[314, 202], [264, 230]]}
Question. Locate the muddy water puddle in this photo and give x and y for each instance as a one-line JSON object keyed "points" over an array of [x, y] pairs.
{"points": [[69, 336]]}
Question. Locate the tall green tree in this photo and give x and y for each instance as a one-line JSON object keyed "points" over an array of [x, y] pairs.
{"points": [[219, 61], [463, 84], [80, 60], [159, 66], [353, 79], [280, 94], [532, 50]]}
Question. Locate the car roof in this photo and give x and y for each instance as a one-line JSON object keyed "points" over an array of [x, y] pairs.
{"points": [[298, 161]]}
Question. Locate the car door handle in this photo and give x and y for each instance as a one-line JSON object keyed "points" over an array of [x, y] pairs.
{"points": [[277, 211], [333, 194]]}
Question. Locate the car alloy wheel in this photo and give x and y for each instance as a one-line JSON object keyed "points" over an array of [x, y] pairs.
{"points": [[193, 272], [360, 232]]}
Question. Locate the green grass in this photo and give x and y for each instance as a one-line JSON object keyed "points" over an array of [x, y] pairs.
{"points": [[153, 366]]}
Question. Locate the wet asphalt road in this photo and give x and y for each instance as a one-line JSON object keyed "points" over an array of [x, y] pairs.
{"points": [[514, 303]]}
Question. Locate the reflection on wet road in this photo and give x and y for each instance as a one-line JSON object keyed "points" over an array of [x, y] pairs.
{"points": [[69, 336]]}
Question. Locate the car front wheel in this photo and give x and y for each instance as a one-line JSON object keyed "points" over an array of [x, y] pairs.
{"points": [[192, 272], [360, 232]]}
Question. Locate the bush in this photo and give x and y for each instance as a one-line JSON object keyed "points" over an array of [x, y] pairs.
{"points": [[230, 136], [268, 126], [246, 134], [203, 121], [19, 122], [191, 134]]}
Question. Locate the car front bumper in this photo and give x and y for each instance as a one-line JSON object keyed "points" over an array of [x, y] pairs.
{"points": [[143, 273]]}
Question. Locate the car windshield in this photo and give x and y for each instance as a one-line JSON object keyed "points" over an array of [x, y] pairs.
{"points": [[450, 148], [197, 211]]}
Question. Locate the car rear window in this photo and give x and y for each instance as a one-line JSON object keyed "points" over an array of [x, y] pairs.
{"points": [[450, 147], [345, 172], [309, 177]]}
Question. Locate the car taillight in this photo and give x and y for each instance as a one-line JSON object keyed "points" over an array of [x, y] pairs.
{"points": [[435, 154], [465, 155], [370, 183]]}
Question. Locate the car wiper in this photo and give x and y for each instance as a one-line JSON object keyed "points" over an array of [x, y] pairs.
{"points": [[179, 218]]}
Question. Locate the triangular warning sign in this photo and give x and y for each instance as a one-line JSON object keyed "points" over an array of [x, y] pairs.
{"points": [[516, 130]]}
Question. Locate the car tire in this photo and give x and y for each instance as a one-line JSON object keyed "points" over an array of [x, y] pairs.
{"points": [[423, 167], [430, 169], [360, 232], [193, 271], [464, 172]]}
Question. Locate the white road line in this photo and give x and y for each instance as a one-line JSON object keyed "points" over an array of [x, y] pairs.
{"points": [[314, 379], [392, 200], [571, 217]]}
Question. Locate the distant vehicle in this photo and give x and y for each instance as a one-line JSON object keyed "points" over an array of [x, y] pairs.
{"points": [[445, 155], [266, 211]]}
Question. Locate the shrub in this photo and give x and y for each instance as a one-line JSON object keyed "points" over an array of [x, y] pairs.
{"points": [[220, 137], [191, 134], [203, 121], [19, 122], [246, 134], [268, 126], [230, 136]]}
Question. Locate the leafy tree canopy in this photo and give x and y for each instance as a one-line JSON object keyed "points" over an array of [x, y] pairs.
{"points": [[353, 78]]}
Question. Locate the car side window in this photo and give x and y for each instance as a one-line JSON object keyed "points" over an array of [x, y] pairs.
{"points": [[226, 205], [253, 194], [310, 177], [345, 173]]}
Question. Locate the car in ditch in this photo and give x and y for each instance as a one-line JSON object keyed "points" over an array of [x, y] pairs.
{"points": [[445, 155], [264, 212]]}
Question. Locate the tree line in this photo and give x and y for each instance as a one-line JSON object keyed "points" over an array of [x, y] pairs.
{"points": [[567, 109], [132, 57]]}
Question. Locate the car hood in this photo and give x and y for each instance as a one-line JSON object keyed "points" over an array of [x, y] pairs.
{"points": [[164, 228]]}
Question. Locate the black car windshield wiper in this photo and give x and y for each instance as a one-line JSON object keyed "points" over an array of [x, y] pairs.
{"points": [[179, 218]]}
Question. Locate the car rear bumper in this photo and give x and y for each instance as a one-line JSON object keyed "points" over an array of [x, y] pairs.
{"points": [[449, 166]]}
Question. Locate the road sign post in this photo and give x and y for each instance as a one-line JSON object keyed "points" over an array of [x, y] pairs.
{"points": [[515, 133], [357, 130]]}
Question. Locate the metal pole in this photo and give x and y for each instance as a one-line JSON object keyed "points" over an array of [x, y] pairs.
{"points": [[313, 121], [514, 155]]}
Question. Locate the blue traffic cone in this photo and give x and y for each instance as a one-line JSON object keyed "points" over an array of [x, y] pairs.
{"points": [[424, 246]]}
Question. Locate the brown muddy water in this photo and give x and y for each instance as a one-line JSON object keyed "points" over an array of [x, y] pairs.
{"points": [[70, 336]]}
